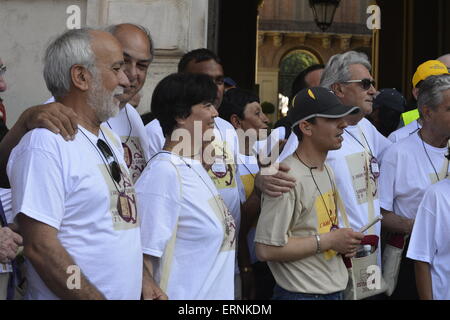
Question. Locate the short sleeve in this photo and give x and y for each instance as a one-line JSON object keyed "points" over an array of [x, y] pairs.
{"points": [[422, 246], [275, 219], [34, 174], [158, 193], [388, 174]]}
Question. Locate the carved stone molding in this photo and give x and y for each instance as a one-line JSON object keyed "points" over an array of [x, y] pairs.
{"points": [[261, 37], [345, 41], [326, 42], [278, 40]]}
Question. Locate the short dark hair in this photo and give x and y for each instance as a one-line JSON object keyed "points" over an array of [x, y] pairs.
{"points": [[197, 55], [234, 102], [175, 95], [299, 83]]}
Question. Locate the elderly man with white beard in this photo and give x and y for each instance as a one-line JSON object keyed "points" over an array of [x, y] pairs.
{"points": [[75, 201]]}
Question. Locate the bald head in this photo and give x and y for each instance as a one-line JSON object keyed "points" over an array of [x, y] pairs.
{"points": [[138, 53]]}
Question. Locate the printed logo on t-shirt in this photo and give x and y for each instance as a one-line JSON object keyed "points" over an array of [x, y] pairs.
{"points": [[223, 171], [225, 217], [122, 200], [134, 156], [324, 219], [357, 166], [248, 181]]}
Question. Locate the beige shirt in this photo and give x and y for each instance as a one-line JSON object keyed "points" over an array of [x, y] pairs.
{"points": [[302, 213]]}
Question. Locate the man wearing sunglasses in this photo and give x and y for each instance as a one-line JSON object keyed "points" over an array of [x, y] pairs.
{"points": [[356, 164], [74, 201]]}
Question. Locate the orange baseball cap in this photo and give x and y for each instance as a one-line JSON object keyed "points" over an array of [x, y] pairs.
{"points": [[427, 69]]}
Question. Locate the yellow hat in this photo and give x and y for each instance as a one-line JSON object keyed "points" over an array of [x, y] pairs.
{"points": [[427, 69]]}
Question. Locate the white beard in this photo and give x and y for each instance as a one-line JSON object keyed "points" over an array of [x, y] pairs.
{"points": [[101, 100]]}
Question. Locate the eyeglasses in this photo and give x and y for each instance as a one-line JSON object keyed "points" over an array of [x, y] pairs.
{"points": [[2, 69], [365, 83], [113, 165]]}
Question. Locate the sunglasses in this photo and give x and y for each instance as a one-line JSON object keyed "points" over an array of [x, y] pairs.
{"points": [[2, 69], [113, 165], [365, 83]]}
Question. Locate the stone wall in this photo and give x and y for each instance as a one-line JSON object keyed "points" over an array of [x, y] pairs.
{"points": [[26, 26]]}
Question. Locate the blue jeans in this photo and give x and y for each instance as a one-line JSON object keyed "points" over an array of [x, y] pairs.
{"points": [[281, 294]]}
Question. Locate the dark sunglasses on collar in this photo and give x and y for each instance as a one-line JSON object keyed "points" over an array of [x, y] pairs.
{"points": [[365, 83], [113, 165]]}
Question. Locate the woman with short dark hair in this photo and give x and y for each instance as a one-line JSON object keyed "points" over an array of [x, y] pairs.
{"points": [[187, 230]]}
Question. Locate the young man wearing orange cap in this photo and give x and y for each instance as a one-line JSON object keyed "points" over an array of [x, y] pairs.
{"points": [[298, 233], [411, 119]]}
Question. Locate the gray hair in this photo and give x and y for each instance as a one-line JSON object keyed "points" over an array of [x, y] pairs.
{"points": [[113, 29], [337, 71], [70, 48], [431, 91]]}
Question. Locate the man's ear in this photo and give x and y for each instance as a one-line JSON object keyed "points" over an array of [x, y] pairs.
{"points": [[415, 93], [305, 128], [235, 121], [426, 112], [337, 88], [80, 76]]}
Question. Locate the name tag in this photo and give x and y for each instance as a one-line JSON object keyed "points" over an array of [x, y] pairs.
{"points": [[375, 167]]}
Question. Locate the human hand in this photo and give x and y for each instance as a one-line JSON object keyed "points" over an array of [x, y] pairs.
{"points": [[151, 291], [55, 117], [9, 243], [344, 241], [276, 184]]}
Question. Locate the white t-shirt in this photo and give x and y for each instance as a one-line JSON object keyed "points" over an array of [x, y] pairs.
{"points": [[227, 185], [350, 168], [404, 132], [406, 173], [68, 186], [186, 224], [134, 141], [155, 137], [429, 240]]}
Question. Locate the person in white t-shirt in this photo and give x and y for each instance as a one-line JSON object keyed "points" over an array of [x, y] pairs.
{"points": [[429, 245], [188, 233], [224, 171], [412, 165], [138, 52], [243, 110], [75, 201], [356, 164]]}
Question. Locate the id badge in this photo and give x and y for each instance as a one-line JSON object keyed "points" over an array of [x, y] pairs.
{"points": [[124, 207], [6, 267], [219, 168], [375, 167]]}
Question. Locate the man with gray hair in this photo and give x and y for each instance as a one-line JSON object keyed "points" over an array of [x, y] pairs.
{"points": [[415, 163], [138, 52], [75, 201], [356, 164]]}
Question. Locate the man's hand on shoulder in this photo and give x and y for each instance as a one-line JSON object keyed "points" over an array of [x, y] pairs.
{"points": [[54, 116], [275, 183]]}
